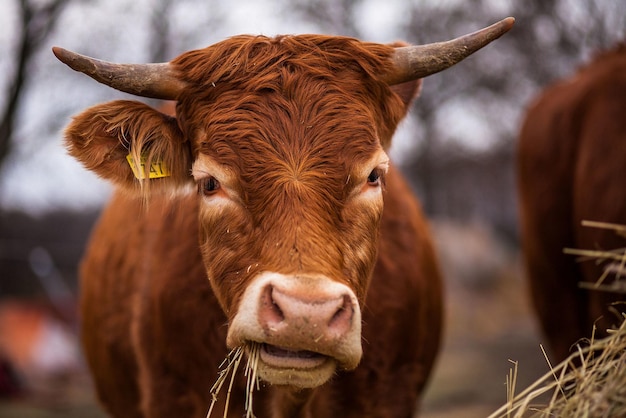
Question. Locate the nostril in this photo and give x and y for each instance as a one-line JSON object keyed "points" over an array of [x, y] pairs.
{"points": [[269, 311], [342, 319]]}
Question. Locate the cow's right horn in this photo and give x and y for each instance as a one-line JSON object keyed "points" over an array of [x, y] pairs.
{"points": [[418, 61], [156, 81]]}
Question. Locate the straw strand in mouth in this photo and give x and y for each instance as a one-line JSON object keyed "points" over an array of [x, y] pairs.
{"points": [[229, 367], [254, 351]]}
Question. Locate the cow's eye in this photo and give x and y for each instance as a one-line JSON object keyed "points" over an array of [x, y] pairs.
{"points": [[209, 186], [375, 177]]}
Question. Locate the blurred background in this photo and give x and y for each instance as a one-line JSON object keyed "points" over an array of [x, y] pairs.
{"points": [[457, 147]]}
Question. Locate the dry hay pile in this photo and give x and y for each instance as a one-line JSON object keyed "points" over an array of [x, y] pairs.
{"points": [[595, 388], [592, 381]]}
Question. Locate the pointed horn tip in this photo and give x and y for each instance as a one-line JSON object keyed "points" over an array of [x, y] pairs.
{"points": [[67, 57], [506, 24], [60, 53], [494, 31]]}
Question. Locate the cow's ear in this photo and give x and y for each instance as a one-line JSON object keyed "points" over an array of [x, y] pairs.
{"points": [[132, 145], [408, 92]]}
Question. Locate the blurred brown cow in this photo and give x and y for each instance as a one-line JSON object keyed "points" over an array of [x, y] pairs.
{"points": [[285, 140], [572, 168]]}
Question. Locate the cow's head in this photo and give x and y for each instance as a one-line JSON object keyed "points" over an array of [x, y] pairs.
{"points": [[285, 140]]}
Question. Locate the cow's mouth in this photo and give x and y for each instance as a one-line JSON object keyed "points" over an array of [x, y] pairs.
{"points": [[282, 357]]}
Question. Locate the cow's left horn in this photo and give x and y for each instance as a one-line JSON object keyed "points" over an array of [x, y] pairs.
{"points": [[156, 81], [418, 61]]}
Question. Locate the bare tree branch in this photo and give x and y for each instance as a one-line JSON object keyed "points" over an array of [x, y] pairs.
{"points": [[36, 23]]}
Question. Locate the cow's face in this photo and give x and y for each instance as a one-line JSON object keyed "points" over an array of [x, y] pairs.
{"points": [[285, 141], [290, 171]]}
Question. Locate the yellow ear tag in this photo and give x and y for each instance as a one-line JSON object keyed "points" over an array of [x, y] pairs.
{"points": [[157, 168]]}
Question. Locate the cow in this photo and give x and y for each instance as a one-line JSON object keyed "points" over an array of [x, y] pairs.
{"points": [[264, 214], [571, 168]]}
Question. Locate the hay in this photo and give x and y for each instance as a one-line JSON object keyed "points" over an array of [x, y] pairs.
{"points": [[595, 388], [592, 381], [615, 260], [230, 366]]}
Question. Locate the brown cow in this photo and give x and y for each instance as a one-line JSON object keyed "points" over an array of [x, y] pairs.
{"points": [[572, 167], [285, 140]]}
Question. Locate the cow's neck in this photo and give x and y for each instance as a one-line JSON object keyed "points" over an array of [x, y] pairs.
{"points": [[291, 403]]}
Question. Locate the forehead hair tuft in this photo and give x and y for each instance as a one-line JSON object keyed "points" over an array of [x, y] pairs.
{"points": [[246, 57]]}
